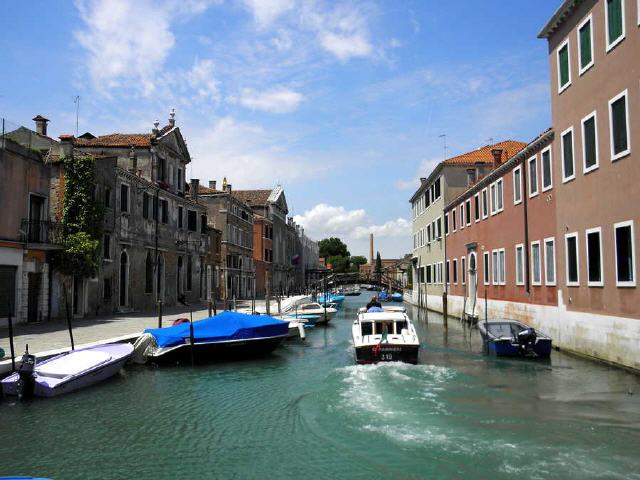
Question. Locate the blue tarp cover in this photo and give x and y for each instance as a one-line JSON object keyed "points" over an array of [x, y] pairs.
{"points": [[224, 326]]}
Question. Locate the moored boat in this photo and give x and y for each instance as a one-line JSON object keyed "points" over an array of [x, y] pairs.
{"points": [[384, 336], [396, 297], [510, 338], [325, 314], [67, 372], [227, 336]]}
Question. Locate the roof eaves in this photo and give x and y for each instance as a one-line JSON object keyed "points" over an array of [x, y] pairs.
{"points": [[564, 10]]}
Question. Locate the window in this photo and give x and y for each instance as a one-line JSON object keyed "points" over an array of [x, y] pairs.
{"points": [[547, 180], [439, 227], [619, 125], [485, 204], [499, 196], [145, 205], [203, 223], [468, 211], [165, 210], [589, 142], [463, 270], [189, 273], [568, 165], [106, 247], [614, 20], [180, 216], [486, 268], [455, 270], [453, 219], [493, 198], [107, 197], [517, 185], [462, 215], [494, 255], [124, 198], [106, 291], [429, 233], [476, 207], [572, 260], [536, 278], [585, 45], [533, 176], [148, 277], [625, 254], [429, 269], [447, 277], [436, 188], [192, 221], [502, 278], [594, 257], [520, 264], [446, 224], [155, 207], [564, 71], [549, 261]]}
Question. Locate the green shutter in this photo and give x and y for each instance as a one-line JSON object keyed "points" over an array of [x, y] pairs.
{"points": [[564, 65], [585, 45], [619, 125], [590, 154], [567, 154], [614, 15]]}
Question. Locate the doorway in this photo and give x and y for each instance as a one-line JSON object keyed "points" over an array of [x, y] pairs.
{"points": [[33, 299]]}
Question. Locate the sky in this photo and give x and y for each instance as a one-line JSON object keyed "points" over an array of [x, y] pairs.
{"points": [[341, 103]]}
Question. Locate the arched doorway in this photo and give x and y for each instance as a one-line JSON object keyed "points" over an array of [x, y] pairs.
{"points": [[124, 279], [472, 279]]}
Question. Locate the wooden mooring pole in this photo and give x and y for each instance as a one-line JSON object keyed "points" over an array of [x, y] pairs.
{"points": [[11, 347], [445, 310]]}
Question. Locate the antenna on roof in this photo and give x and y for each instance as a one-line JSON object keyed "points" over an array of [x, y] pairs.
{"points": [[76, 100], [444, 137], [490, 140]]}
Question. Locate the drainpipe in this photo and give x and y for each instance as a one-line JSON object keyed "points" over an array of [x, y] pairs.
{"points": [[525, 197]]}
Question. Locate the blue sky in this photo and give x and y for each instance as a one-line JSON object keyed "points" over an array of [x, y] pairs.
{"points": [[340, 102]]}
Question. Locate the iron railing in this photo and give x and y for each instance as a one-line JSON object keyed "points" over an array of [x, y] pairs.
{"points": [[42, 231]]}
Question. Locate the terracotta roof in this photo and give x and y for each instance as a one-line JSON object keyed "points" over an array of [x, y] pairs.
{"points": [[252, 197], [484, 155], [203, 189], [117, 140]]}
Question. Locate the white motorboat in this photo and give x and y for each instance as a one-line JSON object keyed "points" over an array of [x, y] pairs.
{"points": [[387, 335], [325, 313]]}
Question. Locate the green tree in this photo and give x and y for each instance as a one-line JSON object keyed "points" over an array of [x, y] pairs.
{"points": [[339, 264], [378, 268], [356, 261], [332, 247]]}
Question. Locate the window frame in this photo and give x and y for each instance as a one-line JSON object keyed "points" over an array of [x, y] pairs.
{"points": [[499, 195], [502, 266], [624, 153], [486, 267], [463, 270], [128, 210], [447, 274], [550, 186], [453, 220], [612, 45], [533, 282], [531, 160], [455, 271], [494, 267], [552, 241], [519, 247], [517, 187], [446, 224], [492, 198], [568, 282], [462, 217], [566, 178], [598, 230], [588, 19], [476, 207], [593, 115], [485, 203], [616, 226], [467, 212], [565, 43]]}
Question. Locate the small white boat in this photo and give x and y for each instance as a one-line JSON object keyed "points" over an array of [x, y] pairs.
{"points": [[325, 313], [67, 372], [385, 336]]}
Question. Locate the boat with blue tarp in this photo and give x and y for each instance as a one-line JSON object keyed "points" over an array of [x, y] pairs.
{"points": [[226, 336], [396, 297], [510, 338]]}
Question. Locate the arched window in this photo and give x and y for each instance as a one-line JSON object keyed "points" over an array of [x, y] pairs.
{"points": [[148, 277]]}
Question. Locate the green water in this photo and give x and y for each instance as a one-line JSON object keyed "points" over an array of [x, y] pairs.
{"points": [[308, 411]]}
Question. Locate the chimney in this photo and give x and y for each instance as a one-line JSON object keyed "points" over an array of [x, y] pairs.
{"points": [[172, 117], [66, 145], [471, 176], [228, 189], [212, 184], [193, 190], [371, 249], [41, 124], [497, 156], [133, 160], [155, 129]]}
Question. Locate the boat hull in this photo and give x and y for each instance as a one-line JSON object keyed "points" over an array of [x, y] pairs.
{"points": [[504, 348], [367, 354], [218, 351]]}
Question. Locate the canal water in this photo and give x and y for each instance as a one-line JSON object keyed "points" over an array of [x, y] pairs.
{"points": [[308, 412]]}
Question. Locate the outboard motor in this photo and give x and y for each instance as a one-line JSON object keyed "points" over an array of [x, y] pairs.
{"points": [[527, 339], [26, 373]]}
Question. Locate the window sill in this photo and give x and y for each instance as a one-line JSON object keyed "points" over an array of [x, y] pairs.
{"points": [[595, 284], [620, 155], [546, 189], [572, 285], [615, 43], [590, 169], [626, 284], [568, 179], [584, 70], [564, 87]]}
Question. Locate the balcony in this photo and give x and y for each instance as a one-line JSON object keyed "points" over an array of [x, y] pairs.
{"points": [[42, 234]]}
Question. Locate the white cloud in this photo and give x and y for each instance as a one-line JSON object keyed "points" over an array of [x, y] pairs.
{"points": [[282, 41], [400, 227], [265, 12], [246, 154], [346, 46], [126, 42], [279, 100]]}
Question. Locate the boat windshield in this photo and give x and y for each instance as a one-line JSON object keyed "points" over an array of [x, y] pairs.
{"points": [[504, 329]]}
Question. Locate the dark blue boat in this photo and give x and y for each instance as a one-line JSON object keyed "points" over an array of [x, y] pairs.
{"points": [[396, 297], [509, 338], [227, 336]]}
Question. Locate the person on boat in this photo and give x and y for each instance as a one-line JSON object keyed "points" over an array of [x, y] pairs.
{"points": [[374, 303]]}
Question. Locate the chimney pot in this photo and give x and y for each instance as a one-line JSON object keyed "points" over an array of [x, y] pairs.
{"points": [[41, 124], [228, 187], [155, 130], [193, 191], [66, 145], [471, 176], [172, 117], [133, 160], [497, 156], [212, 184]]}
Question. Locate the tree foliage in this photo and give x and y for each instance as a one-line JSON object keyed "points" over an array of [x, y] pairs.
{"points": [[333, 247], [378, 268], [339, 264], [358, 260]]}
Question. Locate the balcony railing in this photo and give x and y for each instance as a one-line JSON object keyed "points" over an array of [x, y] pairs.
{"points": [[43, 231]]}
